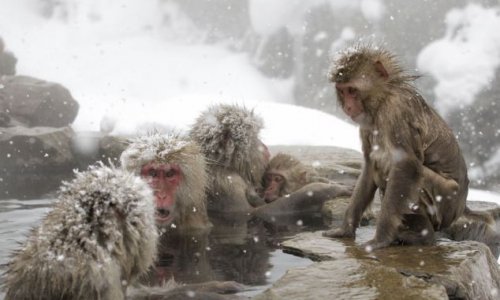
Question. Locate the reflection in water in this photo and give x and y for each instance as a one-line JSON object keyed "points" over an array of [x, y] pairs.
{"points": [[16, 219], [239, 249]]}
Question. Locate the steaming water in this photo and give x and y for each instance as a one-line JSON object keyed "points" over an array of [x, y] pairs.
{"points": [[248, 254]]}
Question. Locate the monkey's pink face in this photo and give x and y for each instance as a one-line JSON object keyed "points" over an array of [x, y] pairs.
{"points": [[164, 179], [274, 183], [351, 104]]}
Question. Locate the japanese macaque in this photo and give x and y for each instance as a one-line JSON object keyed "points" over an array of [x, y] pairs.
{"points": [[229, 138], [99, 237], [286, 174], [410, 154], [176, 171], [237, 159]]}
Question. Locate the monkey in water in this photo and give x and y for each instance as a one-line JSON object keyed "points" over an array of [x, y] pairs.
{"points": [[228, 136], [175, 169], [98, 238], [410, 154]]}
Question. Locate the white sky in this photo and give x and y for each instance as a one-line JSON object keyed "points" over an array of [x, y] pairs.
{"points": [[128, 69], [465, 59]]}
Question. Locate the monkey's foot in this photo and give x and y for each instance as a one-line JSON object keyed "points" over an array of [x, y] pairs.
{"points": [[345, 192], [339, 233], [225, 287], [374, 244]]}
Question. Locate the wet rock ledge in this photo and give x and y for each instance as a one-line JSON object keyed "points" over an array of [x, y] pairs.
{"points": [[448, 270], [343, 270]]}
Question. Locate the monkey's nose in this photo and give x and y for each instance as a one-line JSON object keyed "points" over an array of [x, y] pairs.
{"points": [[162, 212]]}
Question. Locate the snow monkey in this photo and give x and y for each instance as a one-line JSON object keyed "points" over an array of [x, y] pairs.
{"points": [[237, 159], [229, 138], [99, 237], [175, 169], [410, 154], [286, 174]]}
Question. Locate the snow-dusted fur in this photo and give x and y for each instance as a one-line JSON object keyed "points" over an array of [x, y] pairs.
{"points": [[171, 148], [98, 238], [229, 138]]}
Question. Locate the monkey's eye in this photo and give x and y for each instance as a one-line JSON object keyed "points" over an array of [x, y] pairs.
{"points": [[352, 91], [152, 173], [278, 178], [170, 173]]}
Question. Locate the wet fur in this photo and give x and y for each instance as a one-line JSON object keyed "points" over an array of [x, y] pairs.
{"points": [[229, 138], [99, 237], [171, 148], [410, 153]]}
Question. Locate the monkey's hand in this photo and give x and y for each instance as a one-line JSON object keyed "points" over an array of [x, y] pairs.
{"points": [[224, 287], [343, 232], [343, 191]]}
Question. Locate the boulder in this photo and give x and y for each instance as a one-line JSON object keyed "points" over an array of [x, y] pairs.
{"points": [[448, 270], [41, 157], [31, 102], [33, 161]]}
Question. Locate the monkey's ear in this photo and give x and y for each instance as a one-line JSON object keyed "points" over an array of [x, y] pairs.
{"points": [[303, 177], [380, 69]]}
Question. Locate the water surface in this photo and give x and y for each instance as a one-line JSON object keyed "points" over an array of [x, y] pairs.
{"points": [[239, 249]]}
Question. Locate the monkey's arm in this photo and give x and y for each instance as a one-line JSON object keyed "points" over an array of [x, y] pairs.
{"points": [[253, 197], [364, 192], [306, 199]]}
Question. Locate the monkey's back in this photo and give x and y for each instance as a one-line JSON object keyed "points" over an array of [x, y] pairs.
{"points": [[50, 266]]}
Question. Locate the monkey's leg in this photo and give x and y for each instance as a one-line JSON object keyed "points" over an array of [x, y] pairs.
{"points": [[362, 197], [442, 197], [439, 185]]}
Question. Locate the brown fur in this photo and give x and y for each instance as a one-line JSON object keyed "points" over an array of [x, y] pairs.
{"points": [[410, 153], [99, 237], [291, 175], [229, 138], [296, 174]]}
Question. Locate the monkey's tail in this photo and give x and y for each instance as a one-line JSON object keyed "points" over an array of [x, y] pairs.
{"points": [[485, 216]]}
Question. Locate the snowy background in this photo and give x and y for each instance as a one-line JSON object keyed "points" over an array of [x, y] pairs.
{"points": [[137, 64]]}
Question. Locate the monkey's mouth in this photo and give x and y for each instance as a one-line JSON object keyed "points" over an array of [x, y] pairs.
{"points": [[163, 216]]}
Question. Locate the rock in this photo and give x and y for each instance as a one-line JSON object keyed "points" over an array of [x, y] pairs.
{"points": [[448, 270], [41, 157], [34, 160], [32, 102]]}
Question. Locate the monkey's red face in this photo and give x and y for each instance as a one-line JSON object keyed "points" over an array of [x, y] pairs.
{"points": [[351, 103], [274, 183], [164, 179]]}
